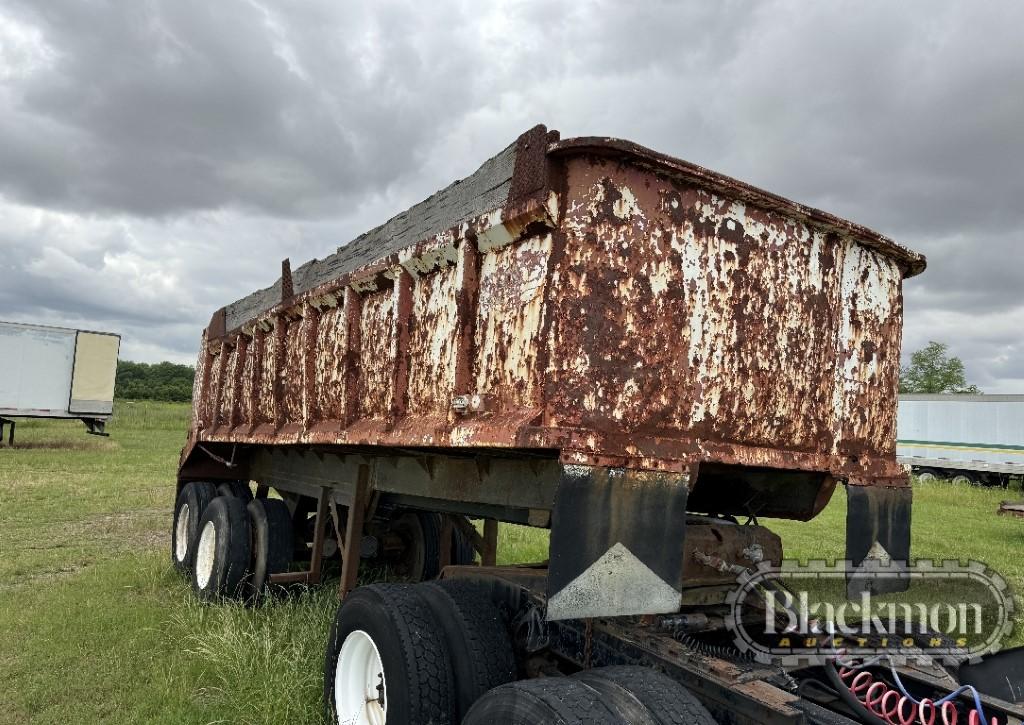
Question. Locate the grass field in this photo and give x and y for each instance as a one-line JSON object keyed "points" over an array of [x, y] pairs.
{"points": [[96, 627]]}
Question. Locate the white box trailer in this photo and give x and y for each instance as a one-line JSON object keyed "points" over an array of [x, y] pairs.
{"points": [[972, 438], [56, 372]]}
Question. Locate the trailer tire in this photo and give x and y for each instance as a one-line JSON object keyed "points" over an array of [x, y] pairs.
{"points": [[238, 489], [421, 532], [192, 501], [554, 700], [966, 478], [463, 553], [388, 629], [927, 475], [644, 695], [272, 542], [222, 550], [477, 635]]}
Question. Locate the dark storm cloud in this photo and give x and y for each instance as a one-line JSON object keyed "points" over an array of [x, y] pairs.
{"points": [[157, 108], [159, 158]]}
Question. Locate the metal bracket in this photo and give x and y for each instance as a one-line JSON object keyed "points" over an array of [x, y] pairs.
{"points": [[313, 575], [95, 427], [354, 532]]}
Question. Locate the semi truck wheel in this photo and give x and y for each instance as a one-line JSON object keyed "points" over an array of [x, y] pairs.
{"points": [[222, 550], [272, 541], [387, 661], [643, 695], [463, 552], [188, 510], [411, 541], [926, 475], [414, 553], [238, 489], [477, 636], [561, 700]]}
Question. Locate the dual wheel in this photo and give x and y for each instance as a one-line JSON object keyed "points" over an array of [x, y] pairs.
{"points": [[228, 542], [963, 478], [440, 652]]}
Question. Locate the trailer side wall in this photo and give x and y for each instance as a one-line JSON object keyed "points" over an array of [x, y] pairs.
{"points": [[681, 312], [963, 432]]}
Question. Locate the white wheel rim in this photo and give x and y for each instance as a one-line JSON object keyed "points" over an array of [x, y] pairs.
{"points": [[360, 690], [181, 534], [205, 553], [926, 477]]}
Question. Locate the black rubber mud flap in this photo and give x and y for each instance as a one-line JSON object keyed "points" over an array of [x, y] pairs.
{"points": [[616, 543], [998, 675], [877, 539]]}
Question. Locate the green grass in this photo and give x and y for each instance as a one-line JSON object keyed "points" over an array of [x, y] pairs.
{"points": [[95, 626]]}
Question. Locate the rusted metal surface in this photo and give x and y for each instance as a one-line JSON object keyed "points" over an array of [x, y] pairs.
{"points": [[354, 532], [732, 545], [588, 297]]}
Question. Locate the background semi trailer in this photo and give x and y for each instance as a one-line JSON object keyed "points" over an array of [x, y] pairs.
{"points": [[975, 439], [56, 372], [584, 336]]}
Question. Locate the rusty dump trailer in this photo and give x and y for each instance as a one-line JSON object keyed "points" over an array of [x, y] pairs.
{"points": [[583, 335]]}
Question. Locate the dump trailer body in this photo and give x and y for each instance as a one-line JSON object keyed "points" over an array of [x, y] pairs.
{"points": [[55, 372], [962, 433], [582, 330]]}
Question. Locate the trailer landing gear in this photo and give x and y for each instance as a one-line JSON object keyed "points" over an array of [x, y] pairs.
{"points": [[10, 436]]}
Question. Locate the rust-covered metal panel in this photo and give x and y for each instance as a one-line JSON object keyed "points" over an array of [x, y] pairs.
{"points": [[591, 300], [433, 342], [680, 309], [330, 351], [510, 313], [377, 355]]}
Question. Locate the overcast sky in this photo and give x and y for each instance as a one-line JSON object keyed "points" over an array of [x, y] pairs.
{"points": [[158, 158]]}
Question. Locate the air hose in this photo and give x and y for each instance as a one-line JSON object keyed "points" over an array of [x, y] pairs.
{"points": [[878, 703]]}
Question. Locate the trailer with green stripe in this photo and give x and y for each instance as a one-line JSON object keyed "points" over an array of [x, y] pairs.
{"points": [[975, 439]]}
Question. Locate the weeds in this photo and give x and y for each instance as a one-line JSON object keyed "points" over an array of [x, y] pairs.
{"points": [[95, 626]]}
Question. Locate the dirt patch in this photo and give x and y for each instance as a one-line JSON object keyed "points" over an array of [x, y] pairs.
{"points": [[104, 534], [84, 445], [44, 576]]}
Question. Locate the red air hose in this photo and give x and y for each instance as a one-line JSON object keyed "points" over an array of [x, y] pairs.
{"points": [[896, 708]]}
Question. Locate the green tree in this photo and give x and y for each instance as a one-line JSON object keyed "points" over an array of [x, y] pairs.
{"points": [[933, 370], [163, 381]]}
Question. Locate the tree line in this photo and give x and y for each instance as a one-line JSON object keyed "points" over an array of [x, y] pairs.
{"points": [[165, 381], [931, 370]]}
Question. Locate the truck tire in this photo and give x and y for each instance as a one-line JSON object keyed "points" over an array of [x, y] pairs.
{"points": [[462, 549], [547, 700], [644, 695], [188, 510], [927, 475], [272, 542], [222, 550], [477, 635], [463, 552], [966, 478], [238, 489], [387, 660], [421, 532]]}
